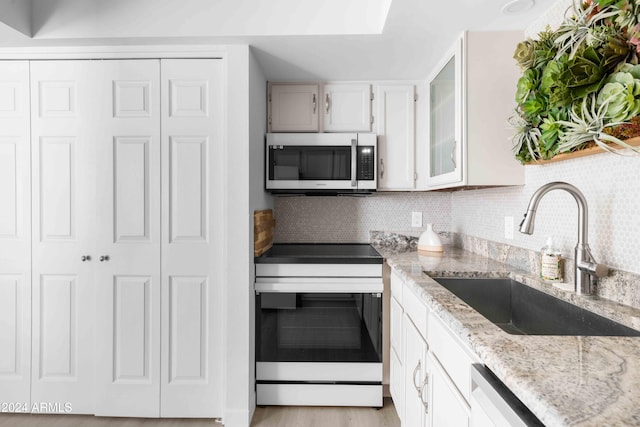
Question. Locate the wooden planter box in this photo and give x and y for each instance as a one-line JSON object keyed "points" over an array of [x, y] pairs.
{"points": [[581, 153]]}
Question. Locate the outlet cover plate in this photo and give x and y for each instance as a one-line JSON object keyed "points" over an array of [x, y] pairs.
{"points": [[508, 227], [416, 219]]}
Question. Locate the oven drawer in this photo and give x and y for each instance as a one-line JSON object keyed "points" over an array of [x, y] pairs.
{"points": [[319, 394]]}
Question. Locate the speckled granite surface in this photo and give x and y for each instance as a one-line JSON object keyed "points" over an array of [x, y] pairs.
{"points": [[565, 381]]}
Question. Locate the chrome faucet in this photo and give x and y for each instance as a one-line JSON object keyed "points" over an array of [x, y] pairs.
{"points": [[586, 267]]}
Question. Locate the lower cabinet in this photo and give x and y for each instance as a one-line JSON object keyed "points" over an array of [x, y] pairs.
{"points": [[416, 377], [430, 377], [447, 406]]}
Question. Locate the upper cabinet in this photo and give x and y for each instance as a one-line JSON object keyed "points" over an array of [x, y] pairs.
{"points": [[293, 107], [347, 107], [396, 136], [470, 99]]}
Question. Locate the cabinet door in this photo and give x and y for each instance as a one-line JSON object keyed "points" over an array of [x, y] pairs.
{"points": [[347, 107], [396, 373], [15, 233], [127, 261], [294, 108], [445, 119], [415, 376], [447, 407], [63, 96], [192, 210], [396, 137]]}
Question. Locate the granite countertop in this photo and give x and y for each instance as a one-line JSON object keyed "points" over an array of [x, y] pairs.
{"points": [[563, 380]]}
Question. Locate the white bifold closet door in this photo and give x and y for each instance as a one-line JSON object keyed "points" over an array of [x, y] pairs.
{"points": [[127, 138], [63, 99], [192, 215], [15, 235]]}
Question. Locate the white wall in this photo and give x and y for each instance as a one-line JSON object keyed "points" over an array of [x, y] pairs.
{"points": [[238, 242], [258, 198]]}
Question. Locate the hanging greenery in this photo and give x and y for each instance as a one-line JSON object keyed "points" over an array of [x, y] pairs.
{"points": [[580, 84]]}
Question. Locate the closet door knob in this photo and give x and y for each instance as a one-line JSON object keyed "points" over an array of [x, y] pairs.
{"points": [[104, 258], [86, 258]]}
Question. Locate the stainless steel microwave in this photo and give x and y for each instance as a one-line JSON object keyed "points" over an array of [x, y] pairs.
{"points": [[321, 163]]}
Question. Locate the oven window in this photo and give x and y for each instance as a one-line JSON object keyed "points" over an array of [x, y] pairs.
{"points": [[303, 163], [316, 327]]}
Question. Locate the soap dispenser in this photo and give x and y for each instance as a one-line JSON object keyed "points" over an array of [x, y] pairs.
{"points": [[551, 262]]}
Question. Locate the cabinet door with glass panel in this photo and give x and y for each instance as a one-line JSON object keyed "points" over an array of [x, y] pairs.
{"points": [[445, 121]]}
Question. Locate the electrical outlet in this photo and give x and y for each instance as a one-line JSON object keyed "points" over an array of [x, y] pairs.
{"points": [[416, 219], [508, 227]]}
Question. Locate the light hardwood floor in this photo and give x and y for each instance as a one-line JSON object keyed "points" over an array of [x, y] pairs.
{"points": [[294, 416], [269, 416]]}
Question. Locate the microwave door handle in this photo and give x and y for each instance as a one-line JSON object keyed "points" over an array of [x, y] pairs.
{"points": [[354, 162]]}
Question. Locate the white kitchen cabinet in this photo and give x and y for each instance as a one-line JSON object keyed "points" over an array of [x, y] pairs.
{"points": [[416, 376], [15, 234], [395, 119], [396, 373], [347, 107], [447, 407], [63, 95], [470, 99], [293, 107]]}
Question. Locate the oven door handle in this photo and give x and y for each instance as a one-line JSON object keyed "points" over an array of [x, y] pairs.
{"points": [[359, 285]]}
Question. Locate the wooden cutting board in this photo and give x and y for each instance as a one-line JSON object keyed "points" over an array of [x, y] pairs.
{"points": [[263, 228]]}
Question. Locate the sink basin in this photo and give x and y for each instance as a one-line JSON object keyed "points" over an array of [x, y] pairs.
{"points": [[521, 310]]}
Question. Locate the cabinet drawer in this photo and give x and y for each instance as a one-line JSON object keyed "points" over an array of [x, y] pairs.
{"points": [[397, 287], [452, 355], [417, 311]]}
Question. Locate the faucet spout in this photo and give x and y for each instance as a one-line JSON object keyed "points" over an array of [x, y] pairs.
{"points": [[585, 265]]}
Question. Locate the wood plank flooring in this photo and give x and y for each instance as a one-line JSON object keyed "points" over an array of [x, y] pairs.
{"points": [[295, 416], [269, 416]]}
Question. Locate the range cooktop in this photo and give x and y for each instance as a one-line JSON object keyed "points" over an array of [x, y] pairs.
{"points": [[320, 253]]}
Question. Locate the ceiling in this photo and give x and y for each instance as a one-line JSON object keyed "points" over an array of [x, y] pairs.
{"points": [[292, 39]]}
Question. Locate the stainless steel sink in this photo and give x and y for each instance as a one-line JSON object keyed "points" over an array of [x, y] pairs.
{"points": [[521, 310]]}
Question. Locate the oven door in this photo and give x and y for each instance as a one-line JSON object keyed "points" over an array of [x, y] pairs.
{"points": [[319, 327]]}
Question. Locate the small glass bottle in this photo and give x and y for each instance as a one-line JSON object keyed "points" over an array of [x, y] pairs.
{"points": [[551, 262]]}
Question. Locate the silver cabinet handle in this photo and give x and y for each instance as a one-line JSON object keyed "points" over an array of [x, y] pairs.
{"points": [[104, 258], [327, 103], [415, 371], [453, 154], [425, 384], [314, 103], [381, 168], [85, 258]]}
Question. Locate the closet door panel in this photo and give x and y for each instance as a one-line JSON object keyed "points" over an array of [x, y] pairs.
{"points": [[192, 156], [63, 199], [128, 239], [15, 234]]}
